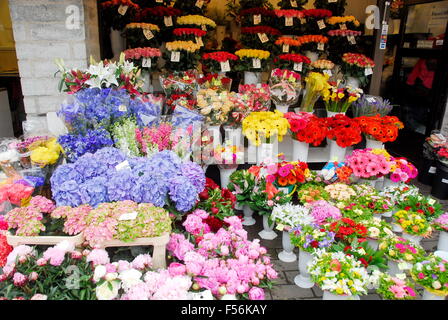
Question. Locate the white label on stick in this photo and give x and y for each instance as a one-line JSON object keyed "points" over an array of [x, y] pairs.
{"points": [[263, 37], [122, 9], [332, 1], [199, 41], [146, 63], [128, 216], [298, 66], [225, 66], [368, 71], [285, 48], [432, 170], [321, 46], [122, 108], [168, 21], [175, 56], [444, 181], [351, 39], [328, 72], [199, 3], [123, 165], [321, 24], [343, 26], [256, 63], [289, 21], [148, 34], [294, 3], [257, 19]]}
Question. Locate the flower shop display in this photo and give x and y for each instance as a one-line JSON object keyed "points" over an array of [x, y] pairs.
{"points": [[315, 19], [377, 229], [292, 61], [381, 129], [316, 84], [340, 276], [309, 238], [334, 172], [428, 207], [340, 192], [441, 224], [15, 191], [286, 217], [370, 258], [305, 129], [356, 68], [396, 288], [118, 13], [214, 105], [180, 83], [196, 21], [258, 95], [290, 20], [242, 184], [219, 61], [142, 35], [287, 175], [343, 132], [323, 66], [252, 62], [181, 56], [228, 157], [215, 81], [256, 16], [401, 171], [368, 164], [414, 225], [47, 276], [323, 212], [401, 253], [339, 21], [108, 175], [162, 16], [218, 259], [190, 34], [259, 37], [285, 88], [430, 273], [347, 230], [146, 59], [339, 99]]}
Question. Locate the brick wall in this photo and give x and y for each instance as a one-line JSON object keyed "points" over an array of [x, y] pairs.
{"points": [[43, 31]]}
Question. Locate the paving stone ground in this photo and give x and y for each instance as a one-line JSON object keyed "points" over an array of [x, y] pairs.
{"points": [[284, 287]]}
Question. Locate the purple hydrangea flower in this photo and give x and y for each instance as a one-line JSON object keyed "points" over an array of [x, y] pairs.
{"points": [[64, 173], [150, 188], [183, 193], [68, 194], [94, 191], [120, 185], [195, 174]]}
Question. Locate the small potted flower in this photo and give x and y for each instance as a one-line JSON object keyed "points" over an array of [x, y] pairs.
{"points": [[286, 217], [253, 62], [441, 224], [377, 229], [401, 254], [311, 192], [402, 171], [395, 288], [431, 273], [355, 211], [340, 276], [340, 192], [339, 99], [324, 212], [429, 207], [242, 184], [368, 165], [287, 175], [415, 227], [309, 238], [377, 204], [347, 230]]}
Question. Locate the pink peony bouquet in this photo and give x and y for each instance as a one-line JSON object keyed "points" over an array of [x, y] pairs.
{"points": [[225, 262], [368, 164]]}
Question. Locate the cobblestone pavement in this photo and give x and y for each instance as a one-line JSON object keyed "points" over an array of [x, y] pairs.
{"points": [[284, 287]]}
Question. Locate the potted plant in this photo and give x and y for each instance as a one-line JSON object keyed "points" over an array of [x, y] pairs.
{"points": [[343, 132], [395, 288], [414, 225], [430, 273], [339, 99], [379, 129]]}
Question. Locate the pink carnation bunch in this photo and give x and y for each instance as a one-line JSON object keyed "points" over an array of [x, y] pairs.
{"points": [[366, 164]]}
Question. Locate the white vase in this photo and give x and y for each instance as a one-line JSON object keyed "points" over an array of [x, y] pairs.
{"points": [[397, 228], [283, 108], [373, 243], [412, 238], [336, 152], [367, 181], [331, 296], [251, 153], [300, 151], [118, 43], [239, 206], [430, 296], [387, 214], [313, 56], [248, 216], [303, 279], [332, 113], [265, 152], [442, 254], [353, 82], [443, 241], [225, 176], [147, 84], [374, 144], [287, 255], [394, 269], [234, 135], [268, 232], [252, 77], [379, 184]]}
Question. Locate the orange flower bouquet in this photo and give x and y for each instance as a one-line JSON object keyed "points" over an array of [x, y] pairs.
{"points": [[383, 129]]}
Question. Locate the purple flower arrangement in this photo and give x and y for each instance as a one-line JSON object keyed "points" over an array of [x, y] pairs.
{"points": [[109, 176]]}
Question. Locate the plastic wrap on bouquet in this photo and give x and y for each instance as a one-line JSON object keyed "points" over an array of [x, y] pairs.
{"points": [[258, 94], [284, 95], [215, 82], [183, 118], [147, 110], [180, 83]]}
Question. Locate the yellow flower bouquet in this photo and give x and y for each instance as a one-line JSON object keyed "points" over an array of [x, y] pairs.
{"points": [[46, 152], [181, 55], [196, 21], [252, 60], [142, 35], [413, 224], [316, 86], [339, 99], [265, 124]]}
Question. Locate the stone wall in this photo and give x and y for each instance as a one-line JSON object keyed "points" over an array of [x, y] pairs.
{"points": [[43, 31]]}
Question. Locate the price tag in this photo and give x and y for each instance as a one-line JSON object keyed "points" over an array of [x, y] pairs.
{"points": [[263, 37], [351, 39], [328, 72], [199, 3], [289, 21], [122, 9], [302, 20], [128, 216], [343, 26], [294, 3], [122, 108], [199, 41], [321, 24], [148, 34], [204, 27], [285, 48], [168, 21], [298, 66], [146, 63], [368, 71], [175, 56], [439, 42], [256, 63], [257, 18], [280, 227], [321, 46], [122, 166], [225, 66], [432, 170], [332, 1]]}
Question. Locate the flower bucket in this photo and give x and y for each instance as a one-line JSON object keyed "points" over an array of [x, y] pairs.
{"points": [[397, 228], [373, 244], [252, 77], [239, 206], [387, 214], [159, 244], [379, 184], [215, 132], [331, 114], [353, 82], [443, 241], [225, 174], [331, 296], [16, 241], [248, 216], [303, 279], [374, 144], [268, 232], [442, 254], [389, 183], [282, 107], [265, 151], [431, 296], [336, 152], [147, 83], [287, 255], [412, 238], [300, 151], [440, 182]]}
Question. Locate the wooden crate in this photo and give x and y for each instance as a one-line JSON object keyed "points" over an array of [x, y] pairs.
{"points": [[15, 241]]}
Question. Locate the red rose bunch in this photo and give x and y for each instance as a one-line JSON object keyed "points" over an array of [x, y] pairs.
{"points": [[189, 31], [347, 229], [306, 127], [218, 203], [261, 29], [220, 56], [344, 130], [317, 13], [294, 57]]}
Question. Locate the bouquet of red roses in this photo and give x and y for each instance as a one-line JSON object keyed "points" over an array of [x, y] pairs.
{"points": [[344, 130], [220, 61], [216, 201], [306, 127]]}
